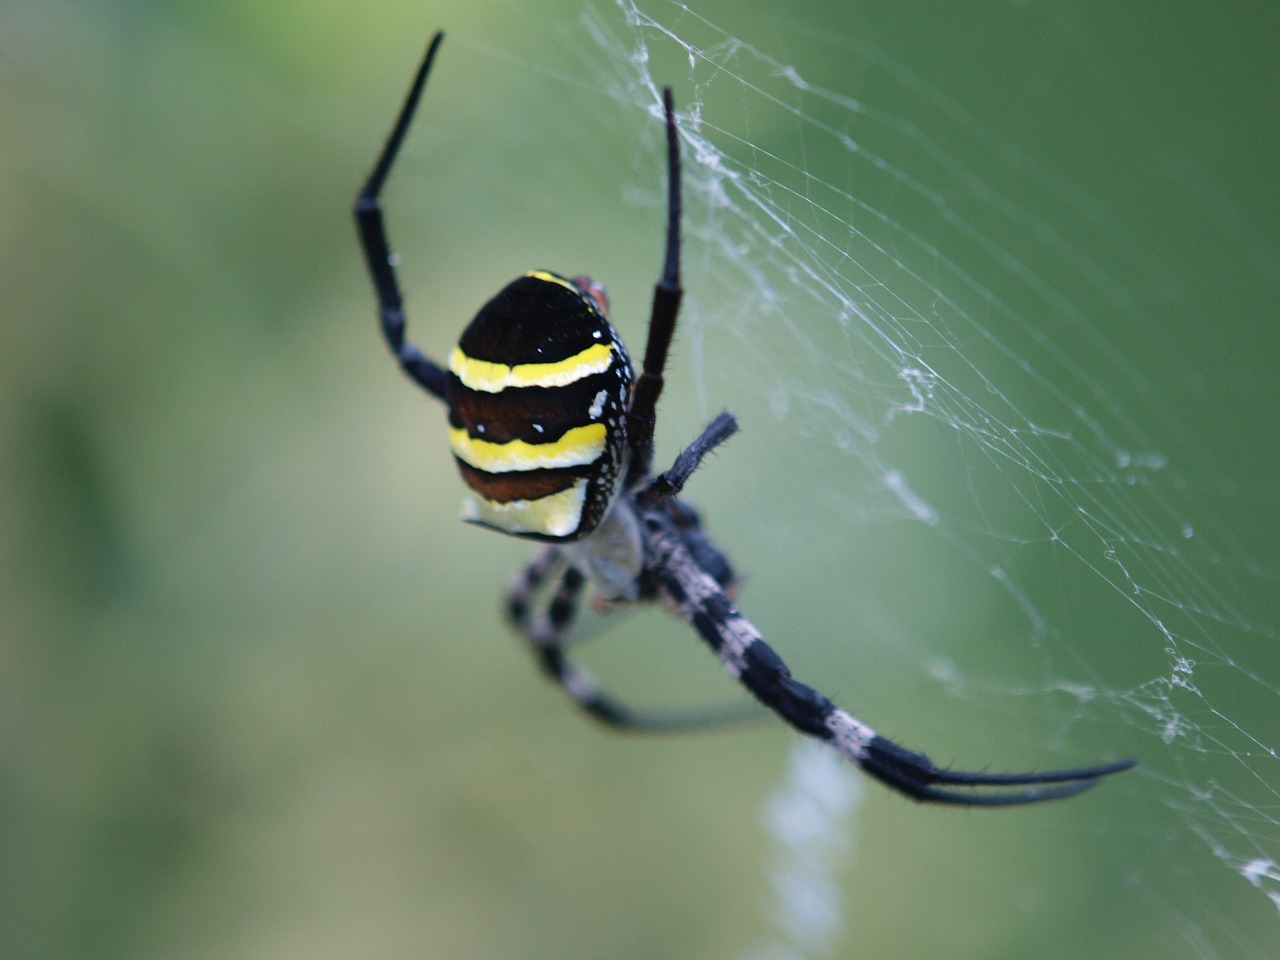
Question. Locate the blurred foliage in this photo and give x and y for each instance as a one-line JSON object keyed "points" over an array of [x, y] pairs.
{"points": [[255, 696]]}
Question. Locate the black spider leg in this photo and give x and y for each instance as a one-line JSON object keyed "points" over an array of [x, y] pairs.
{"points": [[669, 483], [547, 633], [377, 252], [736, 642], [664, 488], [917, 776], [662, 320]]}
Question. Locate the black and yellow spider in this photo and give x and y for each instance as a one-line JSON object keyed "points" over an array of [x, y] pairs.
{"points": [[553, 434]]}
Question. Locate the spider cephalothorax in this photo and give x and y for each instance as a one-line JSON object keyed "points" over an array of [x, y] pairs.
{"points": [[553, 433]]}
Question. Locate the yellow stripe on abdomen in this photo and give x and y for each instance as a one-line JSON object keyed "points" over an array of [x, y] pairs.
{"points": [[557, 515], [490, 377], [578, 447]]}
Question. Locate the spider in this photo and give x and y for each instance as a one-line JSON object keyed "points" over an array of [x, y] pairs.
{"points": [[553, 434]]}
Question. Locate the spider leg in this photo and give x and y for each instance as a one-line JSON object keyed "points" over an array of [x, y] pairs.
{"points": [[547, 633], [662, 320], [669, 483], [665, 487], [917, 776], [736, 642], [705, 553], [377, 251], [524, 588]]}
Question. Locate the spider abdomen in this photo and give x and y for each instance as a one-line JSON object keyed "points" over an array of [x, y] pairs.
{"points": [[538, 389]]}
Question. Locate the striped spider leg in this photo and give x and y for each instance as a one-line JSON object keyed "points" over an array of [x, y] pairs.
{"points": [[547, 628], [699, 598]]}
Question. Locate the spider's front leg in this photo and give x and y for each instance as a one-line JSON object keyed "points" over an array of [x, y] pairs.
{"points": [[547, 632], [697, 595], [544, 627]]}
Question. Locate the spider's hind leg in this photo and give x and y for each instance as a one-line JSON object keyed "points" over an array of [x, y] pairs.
{"points": [[377, 250]]}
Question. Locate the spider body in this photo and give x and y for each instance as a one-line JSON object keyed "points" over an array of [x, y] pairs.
{"points": [[552, 431], [538, 390]]}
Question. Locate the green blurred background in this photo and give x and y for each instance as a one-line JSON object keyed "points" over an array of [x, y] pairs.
{"points": [[256, 699]]}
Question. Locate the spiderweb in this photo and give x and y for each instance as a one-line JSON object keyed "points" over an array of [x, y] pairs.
{"points": [[1005, 380]]}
